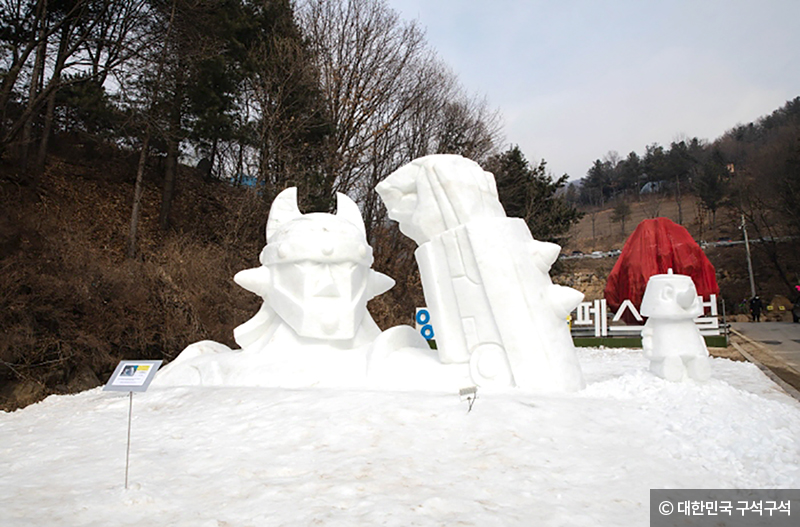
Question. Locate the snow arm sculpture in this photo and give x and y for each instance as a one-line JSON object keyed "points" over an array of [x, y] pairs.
{"points": [[484, 277]]}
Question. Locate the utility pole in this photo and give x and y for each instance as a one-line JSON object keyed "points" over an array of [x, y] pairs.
{"points": [[749, 261]]}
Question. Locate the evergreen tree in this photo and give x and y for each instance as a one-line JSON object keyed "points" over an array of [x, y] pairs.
{"points": [[655, 163], [711, 184], [628, 172], [596, 187], [789, 185], [530, 193]]}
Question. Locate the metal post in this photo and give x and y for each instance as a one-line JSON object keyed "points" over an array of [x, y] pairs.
{"points": [[128, 451], [725, 325], [749, 261]]}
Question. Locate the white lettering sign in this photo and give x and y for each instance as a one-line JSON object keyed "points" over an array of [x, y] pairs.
{"points": [[596, 314]]}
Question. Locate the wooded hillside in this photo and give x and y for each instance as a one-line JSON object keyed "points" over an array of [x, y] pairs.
{"points": [[142, 142]]}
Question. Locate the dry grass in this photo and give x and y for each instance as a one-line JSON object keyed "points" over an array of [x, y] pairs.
{"points": [[589, 275], [394, 256], [71, 305], [609, 235]]}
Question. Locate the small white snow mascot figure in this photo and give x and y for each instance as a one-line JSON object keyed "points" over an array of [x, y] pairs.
{"points": [[670, 338]]}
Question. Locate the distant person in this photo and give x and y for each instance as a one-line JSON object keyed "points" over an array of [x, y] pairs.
{"points": [[756, 305], [204, 168], [796, 306]]}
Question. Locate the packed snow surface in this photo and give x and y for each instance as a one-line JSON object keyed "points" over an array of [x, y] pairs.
{"points": [[216, 456]]}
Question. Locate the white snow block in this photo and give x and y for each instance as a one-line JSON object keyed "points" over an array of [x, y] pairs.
{"points": [[670, 338], [485, 278], [313, 328]]}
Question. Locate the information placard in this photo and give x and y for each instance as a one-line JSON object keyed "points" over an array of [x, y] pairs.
{"points": [[132, 376]]}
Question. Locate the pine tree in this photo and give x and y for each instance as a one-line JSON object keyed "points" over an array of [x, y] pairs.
{"points": [[530, 193], [711, 184]]}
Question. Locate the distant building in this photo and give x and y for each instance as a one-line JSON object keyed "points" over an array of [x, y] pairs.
{"points": [[652, 187]]}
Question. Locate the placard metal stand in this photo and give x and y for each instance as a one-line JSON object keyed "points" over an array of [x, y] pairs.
{"points": [[131, 376]]}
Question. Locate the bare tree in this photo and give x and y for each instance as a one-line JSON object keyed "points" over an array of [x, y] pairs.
{"points": [[621, 213], [73, 32], [388, 98], [420, 131], [762, 192], [40, 30], [90, 40], [367, 58], [593, 212], [28, 28], [470, 128], [291, 123], [613, 159], [651, 205], [139, 185]]}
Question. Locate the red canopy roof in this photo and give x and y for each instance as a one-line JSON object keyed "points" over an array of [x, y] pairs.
{"points": [[654, 247]]}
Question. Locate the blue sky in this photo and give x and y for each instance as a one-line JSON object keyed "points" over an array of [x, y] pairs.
{"points": [[575, 79]]}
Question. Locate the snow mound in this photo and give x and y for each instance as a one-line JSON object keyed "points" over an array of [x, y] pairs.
{"points": [[236, 456]]}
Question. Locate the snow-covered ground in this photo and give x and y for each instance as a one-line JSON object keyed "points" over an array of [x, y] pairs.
{"points": [[214, 457]]}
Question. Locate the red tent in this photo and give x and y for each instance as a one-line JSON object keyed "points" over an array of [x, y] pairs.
{"points": [[654, 247]]}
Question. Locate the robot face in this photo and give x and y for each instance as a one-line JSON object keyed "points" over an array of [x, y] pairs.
{"points": [[315, 269], [671, 296], [321, 300]]}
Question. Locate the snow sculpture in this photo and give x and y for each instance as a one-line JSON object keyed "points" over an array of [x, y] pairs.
{"points": [[313, 328], [315, 278], [485, 278], [670, 338]]}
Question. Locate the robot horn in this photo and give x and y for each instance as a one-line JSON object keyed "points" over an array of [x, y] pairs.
{"points": [[347, 209], [284, 209]]}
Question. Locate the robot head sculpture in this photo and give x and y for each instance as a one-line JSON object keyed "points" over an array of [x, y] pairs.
{"points": [[315, 269], [671, 297]]}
